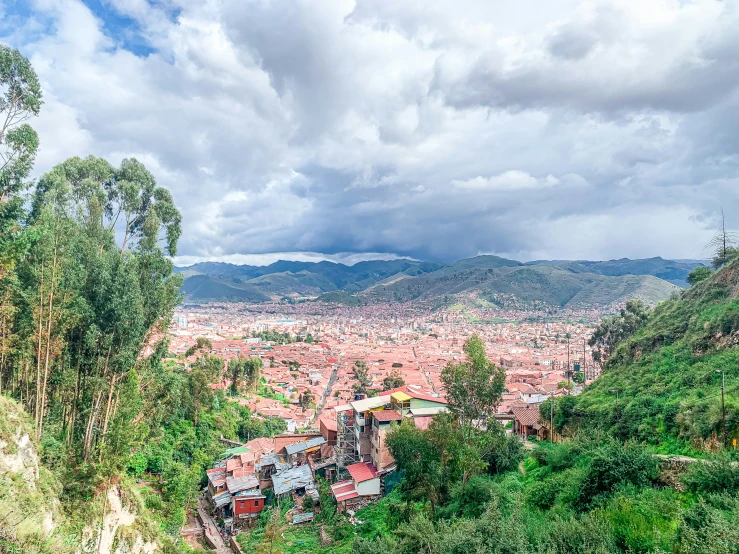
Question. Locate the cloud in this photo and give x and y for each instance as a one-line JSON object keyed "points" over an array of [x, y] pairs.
{"points": [[427, 129], [513, 179]]}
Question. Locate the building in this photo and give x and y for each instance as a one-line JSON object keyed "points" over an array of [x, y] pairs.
{"points": [[363, 486], [380, 454]]}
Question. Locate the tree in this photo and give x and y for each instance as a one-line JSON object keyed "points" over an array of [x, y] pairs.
{"points": [[200, 392], [20, 100], [361, 375], [699, 274], [393, 381], [306, 399], [200, 344], [723, 245], [309, 338], [211, 366], [474, 387], [612, 331]]}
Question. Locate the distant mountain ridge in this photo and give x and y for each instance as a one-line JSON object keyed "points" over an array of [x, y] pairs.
{"points": [[488, 278]]}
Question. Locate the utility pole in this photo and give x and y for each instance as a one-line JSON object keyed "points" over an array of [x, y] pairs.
{"points": [[723, 405], [551, 417], [616, 391], [569, 369]]}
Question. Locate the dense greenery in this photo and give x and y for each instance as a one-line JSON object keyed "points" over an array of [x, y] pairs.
{"points": [[667, 375]]}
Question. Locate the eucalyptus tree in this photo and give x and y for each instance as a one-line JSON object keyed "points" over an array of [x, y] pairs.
{"points": [[20, 100], [125, 290]]}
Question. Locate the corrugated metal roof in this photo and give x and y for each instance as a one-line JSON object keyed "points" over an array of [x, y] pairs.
{"points": [[222, 499], [400, 396], [369, 403], [428, 411], [362, 471], [244, 483], [296, 447], [292, 479]]}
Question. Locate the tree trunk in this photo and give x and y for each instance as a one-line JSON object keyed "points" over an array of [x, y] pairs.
{"points": [[38, 349], [107, 413], [48, 343]]}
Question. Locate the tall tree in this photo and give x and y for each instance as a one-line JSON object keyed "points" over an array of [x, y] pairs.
{"points": [[723, 245], [362, 378], [612, 331], [474, 387]]}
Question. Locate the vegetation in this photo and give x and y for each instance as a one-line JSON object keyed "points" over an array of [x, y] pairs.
{"points": [[670, 391], [86, 285]]}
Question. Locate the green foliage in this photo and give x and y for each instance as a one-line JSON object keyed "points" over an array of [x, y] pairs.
{"points": [[715, 475], [612, 331], [393, 380], [362, 378], [612, 466], [474, 387], [700, 273], [666, 373]]}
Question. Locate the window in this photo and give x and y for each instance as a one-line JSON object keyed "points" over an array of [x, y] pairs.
{"points": [[256, 503]]}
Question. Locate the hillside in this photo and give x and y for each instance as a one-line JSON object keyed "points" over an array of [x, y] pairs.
{"points": [[34, 521], [535, 284], [674, 271], [209, 281], [666, 374], [489, 278]]}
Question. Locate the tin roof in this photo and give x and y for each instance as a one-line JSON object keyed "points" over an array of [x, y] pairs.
{"points": [[369, 403], [292, 479], [400, 396], [344, 490], [296, 447], [362, 471]]}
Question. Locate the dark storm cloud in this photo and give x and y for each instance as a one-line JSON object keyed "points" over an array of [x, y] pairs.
{"points": [[565, 129]]}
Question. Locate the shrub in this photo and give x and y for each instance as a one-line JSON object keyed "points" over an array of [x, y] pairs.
{"points": [[714, 476], [613, 466]]}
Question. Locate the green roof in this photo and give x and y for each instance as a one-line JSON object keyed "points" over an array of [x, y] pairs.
{"points": [[236, 450]]}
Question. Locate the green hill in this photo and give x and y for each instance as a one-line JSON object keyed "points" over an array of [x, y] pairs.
{"points": [[666, 374], [205, 288], [534, 284], [489, 278]]}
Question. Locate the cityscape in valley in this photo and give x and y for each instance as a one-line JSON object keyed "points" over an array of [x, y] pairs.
{"points": [[356, 277]]}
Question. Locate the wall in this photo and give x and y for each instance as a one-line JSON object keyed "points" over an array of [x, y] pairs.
{"points": [[369, 488]]}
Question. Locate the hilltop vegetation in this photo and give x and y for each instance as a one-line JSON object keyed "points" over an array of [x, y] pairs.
{"points": [[489, 278], [668, 373]]}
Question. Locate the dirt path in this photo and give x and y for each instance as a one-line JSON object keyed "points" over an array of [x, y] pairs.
{"points": [[211, 530]]}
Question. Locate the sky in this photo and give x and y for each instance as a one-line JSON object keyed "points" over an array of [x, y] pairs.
{"points": [[437, 130]]}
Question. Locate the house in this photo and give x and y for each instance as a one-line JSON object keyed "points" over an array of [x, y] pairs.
{"points": [[328, 430], [363, 485], [526, 420], [297, 479], [246, 506], [299, 452], [380, 454]]}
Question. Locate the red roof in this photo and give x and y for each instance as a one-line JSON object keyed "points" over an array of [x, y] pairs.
{"points": [[344, 490], [362, 471], [386, 415]]}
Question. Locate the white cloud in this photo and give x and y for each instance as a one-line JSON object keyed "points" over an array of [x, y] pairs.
{"points": [[513, 179], [430, 129]]}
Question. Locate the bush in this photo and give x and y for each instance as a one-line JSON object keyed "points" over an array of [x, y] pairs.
{"points": [[611, 467], [308, 503], [715, 476]]}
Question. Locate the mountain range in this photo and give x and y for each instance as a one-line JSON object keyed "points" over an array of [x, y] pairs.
{"points": [[485, 279]]}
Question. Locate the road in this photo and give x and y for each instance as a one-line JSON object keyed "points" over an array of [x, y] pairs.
{"points": [[329, 387]]}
